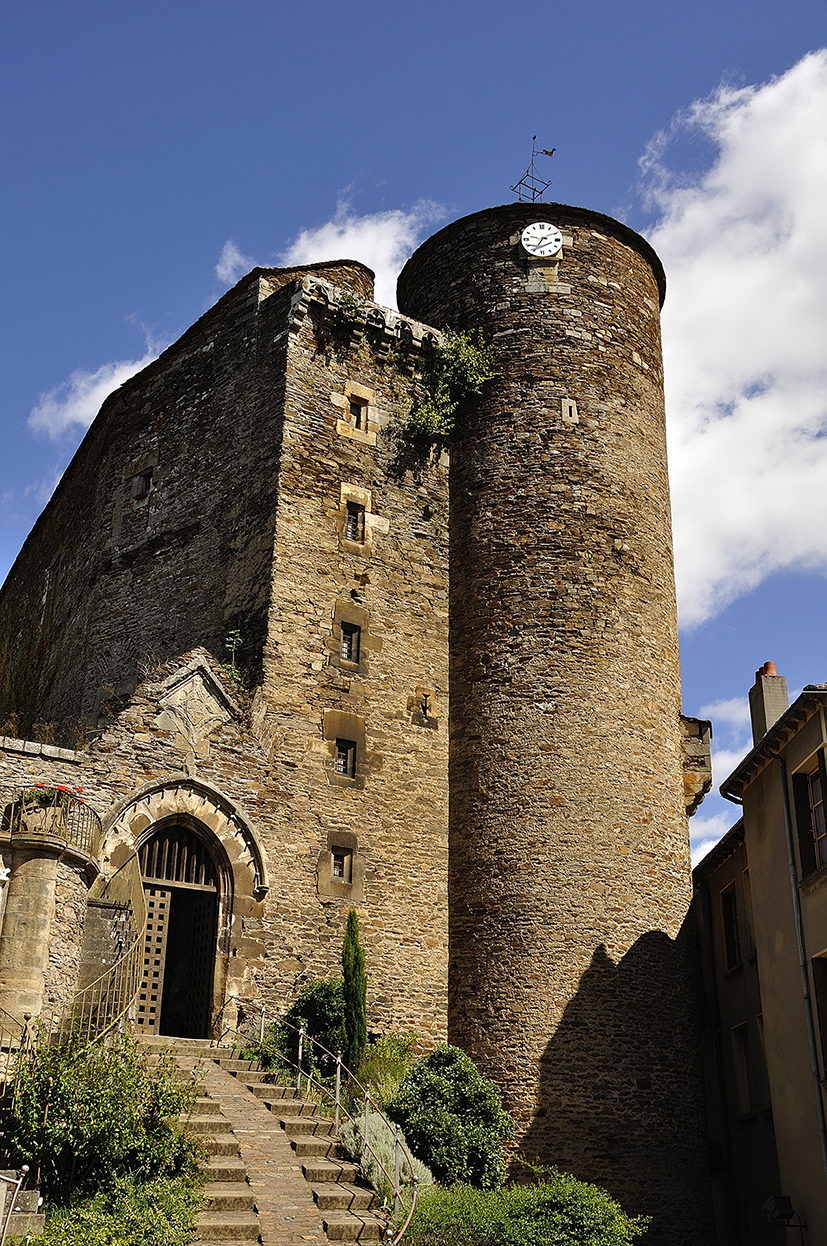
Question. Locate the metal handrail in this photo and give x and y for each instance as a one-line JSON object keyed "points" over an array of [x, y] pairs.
{"points": [[11, 1197], [12, 1038], [100, 1006], [401, 1152]]}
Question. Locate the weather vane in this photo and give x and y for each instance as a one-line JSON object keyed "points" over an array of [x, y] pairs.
{"points": [[531, 187]]}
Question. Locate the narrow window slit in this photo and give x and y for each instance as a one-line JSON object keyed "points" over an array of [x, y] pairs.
{"points": [[346, 758], [355, 523], [351, 636]]}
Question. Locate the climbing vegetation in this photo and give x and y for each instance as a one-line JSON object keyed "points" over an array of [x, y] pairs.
{"points": [[457, 370]]}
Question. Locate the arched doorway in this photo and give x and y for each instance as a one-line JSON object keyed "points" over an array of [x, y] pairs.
{"points": [[181, 881]]}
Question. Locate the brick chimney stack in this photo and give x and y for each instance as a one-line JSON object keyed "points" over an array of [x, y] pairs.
{"points": [[768, 700]]}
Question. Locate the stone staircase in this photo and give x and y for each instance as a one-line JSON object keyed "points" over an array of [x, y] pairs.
{"points": [[347, 1208], [26, 1216], [274, 1159]]}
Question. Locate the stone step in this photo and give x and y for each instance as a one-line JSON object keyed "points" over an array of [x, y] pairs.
{"points": [[221, 1144], [306, 1126], [225, 1168], [346, 1226], [266, 1090], [325, 1148], [207, 1107], [316, 1170], [232, 1064], [23, 1222], [342, 1196], [228, 1196], [205, 1124], [223, 1226]]}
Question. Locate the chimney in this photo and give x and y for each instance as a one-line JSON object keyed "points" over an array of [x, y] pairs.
{"points": [[767, 700]]}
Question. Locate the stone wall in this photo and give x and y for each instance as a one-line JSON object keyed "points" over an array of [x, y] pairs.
{"points": [[247, 436], [390, 818], [170, 499], [65, 937], [571, 978]]}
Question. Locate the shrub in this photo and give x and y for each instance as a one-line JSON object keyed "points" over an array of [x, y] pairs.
{"points": [[384, 1065], [160, 1212], [559, 1211], [373, 1168], [453, 1119], [88, 1114], [320, 1008], [460, 368], [355, 993]]}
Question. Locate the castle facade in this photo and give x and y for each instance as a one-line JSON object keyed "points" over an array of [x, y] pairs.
{"points": [[256, 592]]}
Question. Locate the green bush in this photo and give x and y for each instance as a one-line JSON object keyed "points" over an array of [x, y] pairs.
{"points": [[85, 1115], [384, 1065], [320, 1008], [453, 1119], [559, 1211], [160, 1212]]}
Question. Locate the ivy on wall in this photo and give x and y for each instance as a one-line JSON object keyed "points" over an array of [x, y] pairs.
{"points": [[457, 370]]}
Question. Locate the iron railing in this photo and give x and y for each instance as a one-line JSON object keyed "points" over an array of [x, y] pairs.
{"points": [[13, 1039], [9, 1189], [55, 812], [107, 1001], [341, 1105]]}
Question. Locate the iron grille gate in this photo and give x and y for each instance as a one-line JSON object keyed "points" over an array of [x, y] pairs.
{"points": [[179, 878]]}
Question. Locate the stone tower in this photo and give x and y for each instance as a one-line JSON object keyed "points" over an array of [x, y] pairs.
{"points": [[570, 980]]}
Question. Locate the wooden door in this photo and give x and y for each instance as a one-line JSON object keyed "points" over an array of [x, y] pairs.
{"points": [[158, 903]]}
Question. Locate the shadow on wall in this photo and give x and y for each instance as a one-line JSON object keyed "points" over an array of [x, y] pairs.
{"points": [[619, 1094]]}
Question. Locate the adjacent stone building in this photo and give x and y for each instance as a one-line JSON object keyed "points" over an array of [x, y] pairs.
{"points": [[252, 591], [761, 913]]}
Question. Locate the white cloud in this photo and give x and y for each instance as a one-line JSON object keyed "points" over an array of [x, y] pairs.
{"points": [[78, 400], [744, 245], [706, 832], [735, 712], [382, 240], [232, 264]]}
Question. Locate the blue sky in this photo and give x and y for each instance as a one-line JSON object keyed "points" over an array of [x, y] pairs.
{"points": [[151, 153]]}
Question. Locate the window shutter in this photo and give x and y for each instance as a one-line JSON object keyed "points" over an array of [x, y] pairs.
{"points": [[804, 824]]}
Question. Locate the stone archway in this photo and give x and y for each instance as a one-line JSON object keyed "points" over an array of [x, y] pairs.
{"points": [[204, 877]]}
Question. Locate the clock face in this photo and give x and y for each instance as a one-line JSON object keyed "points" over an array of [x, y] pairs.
{"points": [[541, 239]]}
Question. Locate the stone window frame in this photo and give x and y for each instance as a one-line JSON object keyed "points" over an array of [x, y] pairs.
{"points": [[346, 613], [340, 726], [365, 398], [352, 496], [329, 886]]}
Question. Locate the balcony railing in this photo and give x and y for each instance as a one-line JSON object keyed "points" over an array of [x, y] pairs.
{"points": [[54, 813]]}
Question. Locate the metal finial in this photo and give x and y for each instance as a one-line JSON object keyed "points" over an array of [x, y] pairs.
{"points": [[531, 187]]}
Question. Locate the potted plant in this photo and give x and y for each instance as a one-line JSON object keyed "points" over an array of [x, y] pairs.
{"points": [[43, 811]]}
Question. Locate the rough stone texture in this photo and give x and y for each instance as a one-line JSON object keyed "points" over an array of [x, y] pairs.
{"points": [[251, 480], [212, 494], [570, 974], [65, 936]]}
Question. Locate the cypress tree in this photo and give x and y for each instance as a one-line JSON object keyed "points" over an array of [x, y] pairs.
{"points": [[355, 1026]]}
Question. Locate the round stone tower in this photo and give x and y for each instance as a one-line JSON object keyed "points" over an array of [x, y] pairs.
{"points": [[570, 972]]}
